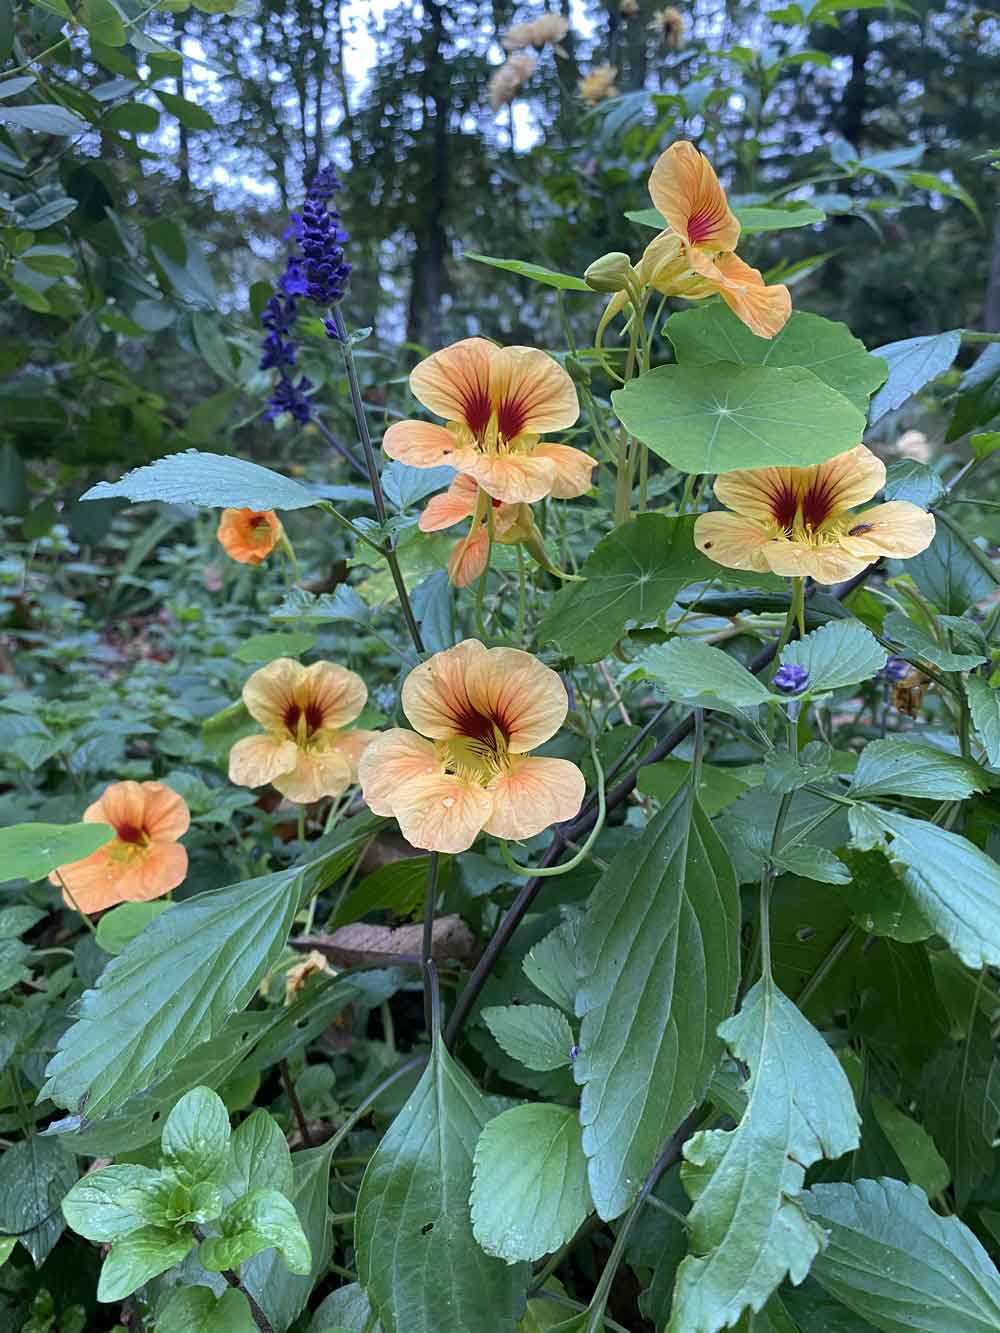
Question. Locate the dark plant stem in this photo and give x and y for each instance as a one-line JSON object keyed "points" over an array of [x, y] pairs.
{"points": [[427, 943], [381, 513], [296, 1105], [131, 1316], [257, 1314], [578, 828], [339, 448]]}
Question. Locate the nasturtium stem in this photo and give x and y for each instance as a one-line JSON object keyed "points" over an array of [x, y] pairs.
{"points": [[357, 402], [427, 941], [548, 871]]}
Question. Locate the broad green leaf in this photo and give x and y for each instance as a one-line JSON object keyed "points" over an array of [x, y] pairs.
{"points": [[724, 417], [632, 576], [965, 1122], [213, 480], [913, 1146], [36, 1174], [815, 1311], [325, 609], [132, 118], [31, 851], [906, 479], [281, 1293], [18, 920], [712, 333], [747, 1229], [984, 705], [985, 443], [417, 1257], [195, 1142], [536, 1034], [817, 863], [952, 573], [190, 114], [897, 767], [43, 119], [919, 646], [882, 905], [658, 966], [96, 1208], [752, 217], [400, 886], [913, 363], [260, 1156], [260, 1220], [836, 656], [138, 1257], [551, 964], [173, 987], [199, 1310], [529, 1187], [717, 787], [122, 924], [103, 22], [549, 277], [695, 673], [347, 1309], [897, 1263], [955, 886]]}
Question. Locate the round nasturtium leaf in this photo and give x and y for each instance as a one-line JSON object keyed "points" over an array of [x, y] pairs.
{"points": [[725, 417]]}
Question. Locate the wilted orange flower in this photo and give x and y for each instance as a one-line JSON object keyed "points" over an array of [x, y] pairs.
{"points": [[144, 859], [249, 535], [797, 520], [547, 28], [304, 750], [506, 81], [299, 973], [598, 84], [483, 709], [496, 401], [668, 24]]}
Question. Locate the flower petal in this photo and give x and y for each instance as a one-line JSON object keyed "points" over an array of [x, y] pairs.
{"points": [[534, 794], [161, 867], [468, 558], [511, 478], [451, 506], [435, 695], [731, 540], [167, 816], [573, 469], [393, 760], [249, 535], [271, 692], [418, 443], [819, 493], [825, 564], [455, 384], [317, 773], [898, 529], [443, 813], [336, 694], [122, 805], [527, 698], [687, 192], [764, 310], [255, 761], [530, 392], [119, 872], [352, 745]]}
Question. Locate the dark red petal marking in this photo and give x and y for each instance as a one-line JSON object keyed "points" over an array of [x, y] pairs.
{"points": [[129, 833], [314, 717], [292, 714]]}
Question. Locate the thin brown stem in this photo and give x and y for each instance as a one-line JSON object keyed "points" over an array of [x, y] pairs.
{"points": [[296, 1105]]}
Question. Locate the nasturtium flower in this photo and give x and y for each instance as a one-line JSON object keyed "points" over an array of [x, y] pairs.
{"points": [[144, 860], [668, 24], [249, 535], [599, 84], [505, 81], [797, 521], [466, 768], [496, 401], [546, 28], [305, 750]]}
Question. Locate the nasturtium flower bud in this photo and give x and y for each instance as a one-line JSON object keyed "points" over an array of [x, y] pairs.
{"points": [[611, 273]]}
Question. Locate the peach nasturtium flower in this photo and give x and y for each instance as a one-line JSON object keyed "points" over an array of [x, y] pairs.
{"points": [[249, 535], [144, 860], [466, 768], [304, 750], [496, 401], [599, 84], [797, 521]]}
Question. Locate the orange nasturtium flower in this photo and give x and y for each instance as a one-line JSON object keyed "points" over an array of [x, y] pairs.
{"points": [[795, 521], [496, 401], [304, 750], [144, 860], [477, 712], [694, 257], [249, 535]]}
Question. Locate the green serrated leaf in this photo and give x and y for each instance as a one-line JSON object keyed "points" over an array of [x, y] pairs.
{"points": [[919, 646], [35, 1176], [712, 333], [97, 1208], [418, 1259], [747, 1228], [697, 674], [724, 417], [897, 767], [658, 966], [260, 1156], [551, 964], [913, 363], [890, 1258], [913, 1146], [984, 705], [173, 987], [263, 1219], [836, 655], [212, 480], [536, 1034], [529, 1189]]}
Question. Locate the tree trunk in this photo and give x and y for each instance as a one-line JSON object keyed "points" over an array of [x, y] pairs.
{"points": [[430, 234], [991, 307], [852, 118], [183, 141]]}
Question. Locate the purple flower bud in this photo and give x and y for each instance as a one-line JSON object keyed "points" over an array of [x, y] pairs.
{"points": [[896, 668], [292, 398], [790, 678], [574, 1051]]}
